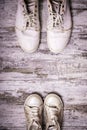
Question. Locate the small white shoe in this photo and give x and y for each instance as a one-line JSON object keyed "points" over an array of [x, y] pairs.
{"points": [[59, 25], [53, 112], [27, 25], [33, 111]]}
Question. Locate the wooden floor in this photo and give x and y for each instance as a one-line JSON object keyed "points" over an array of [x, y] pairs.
{"points": [[43, 72]]}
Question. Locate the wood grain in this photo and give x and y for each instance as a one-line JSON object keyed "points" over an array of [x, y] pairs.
{"points": [[22, 74]]}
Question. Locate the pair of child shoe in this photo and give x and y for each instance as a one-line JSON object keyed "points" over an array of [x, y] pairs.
{"points": [[52, 107]]}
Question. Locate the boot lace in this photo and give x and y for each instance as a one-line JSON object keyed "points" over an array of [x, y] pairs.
{"points": [[57, 17], [30, 16]]}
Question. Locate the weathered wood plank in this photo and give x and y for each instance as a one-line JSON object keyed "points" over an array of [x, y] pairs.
{"points": [[79, 4], [43, 72], [11, 119], [73, 90]]}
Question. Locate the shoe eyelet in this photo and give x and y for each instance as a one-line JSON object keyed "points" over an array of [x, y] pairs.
{"points": [[35, 6], [27, 24], [48, 6], [23, 5]]}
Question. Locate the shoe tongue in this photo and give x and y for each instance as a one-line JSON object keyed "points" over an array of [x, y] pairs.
{"points": [[52, 127], [56, 5]]}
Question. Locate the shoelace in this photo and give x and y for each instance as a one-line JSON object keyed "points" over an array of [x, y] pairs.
{"points": [[57, 17], [53, 125], [30, 17], [34, 126], [32, 113], [53, 122]]}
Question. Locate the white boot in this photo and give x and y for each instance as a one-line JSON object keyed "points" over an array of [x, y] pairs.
{"points": [[53, 112], [59, 25], [27, 25], [33, 111]]}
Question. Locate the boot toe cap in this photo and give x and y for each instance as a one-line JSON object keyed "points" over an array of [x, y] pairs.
{"points": [[57, 41], [28, 40]]}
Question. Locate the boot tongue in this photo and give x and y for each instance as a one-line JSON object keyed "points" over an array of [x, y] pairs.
{"points": [[30, 5], [56, 5]]}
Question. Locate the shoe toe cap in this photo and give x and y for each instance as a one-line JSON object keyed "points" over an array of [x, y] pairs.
{"points": [[34, 100]]}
